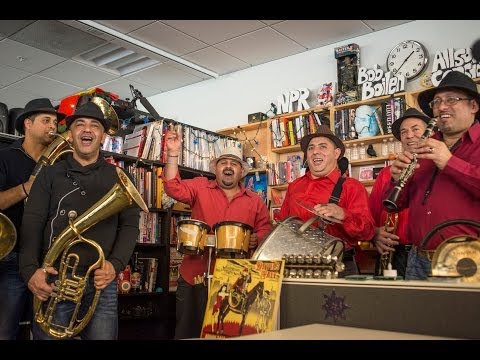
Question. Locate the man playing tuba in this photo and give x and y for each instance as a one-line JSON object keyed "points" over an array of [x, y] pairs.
{"points": [[37, 122], [71, 186]]}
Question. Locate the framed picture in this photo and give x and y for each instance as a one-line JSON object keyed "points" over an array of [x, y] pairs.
{"points": [[257, 182]]}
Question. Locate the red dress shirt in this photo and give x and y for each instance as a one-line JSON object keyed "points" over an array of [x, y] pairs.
{"points": [[455, 193], [358, 224], [210, 204], [378, 211]]}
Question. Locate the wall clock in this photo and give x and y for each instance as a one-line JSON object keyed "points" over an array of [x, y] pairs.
{"points": [[409, 58]]}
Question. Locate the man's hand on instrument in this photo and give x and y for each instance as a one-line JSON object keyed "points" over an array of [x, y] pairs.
{"points": [[435, 150], [104, 276], [384, 240], [401, 162], [38, 283], [330, 212]]}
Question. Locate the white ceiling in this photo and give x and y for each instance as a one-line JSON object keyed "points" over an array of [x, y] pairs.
{"points": [[54, 59]]}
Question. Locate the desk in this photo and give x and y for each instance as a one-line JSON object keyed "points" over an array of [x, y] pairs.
{"points": [[333, 332], [415, 307]]}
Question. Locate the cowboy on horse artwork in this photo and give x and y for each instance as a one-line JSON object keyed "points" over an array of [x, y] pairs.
{"points": [[236, 297]]}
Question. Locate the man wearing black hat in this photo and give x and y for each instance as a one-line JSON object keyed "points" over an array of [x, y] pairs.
{"points": [[37, 122], [341, 202], [391, 235], [446, 182], [75, 184]]}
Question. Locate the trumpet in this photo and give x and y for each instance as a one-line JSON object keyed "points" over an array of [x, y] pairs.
{"points": [[386, 259], [390, 203]]}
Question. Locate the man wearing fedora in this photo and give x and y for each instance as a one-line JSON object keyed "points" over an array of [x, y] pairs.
{"points": [[391, 236], [212, 201], [37, 122], [446, 182], [341, 202], [76, 183]]}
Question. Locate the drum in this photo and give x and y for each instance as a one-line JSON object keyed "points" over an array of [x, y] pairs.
{"points": [[303, 247], [191, 236], [231, 239]]}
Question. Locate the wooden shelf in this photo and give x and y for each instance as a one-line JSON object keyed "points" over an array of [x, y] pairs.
{"points": [[315, 109], [368, 182], [371, 101], [369, 161], [279, 187], [286, 149], [369, 140]]}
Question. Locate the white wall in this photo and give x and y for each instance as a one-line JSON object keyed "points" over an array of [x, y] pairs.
{"points": [[226, 101]]}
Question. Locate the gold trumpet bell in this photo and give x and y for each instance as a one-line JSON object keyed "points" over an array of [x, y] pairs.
{"points": [[109, 113], [458, 256], [8, 236]]}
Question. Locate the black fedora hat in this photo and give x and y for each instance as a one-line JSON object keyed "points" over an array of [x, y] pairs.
{"points": [[409, 113], [42, 105], [322, 131], [88, 110], [453, 80]]}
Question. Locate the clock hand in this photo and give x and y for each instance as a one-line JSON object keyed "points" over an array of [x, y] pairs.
{"points": [[404, 61]]}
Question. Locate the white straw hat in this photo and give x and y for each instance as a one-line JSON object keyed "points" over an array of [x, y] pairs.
{"points": [[231, 152]]}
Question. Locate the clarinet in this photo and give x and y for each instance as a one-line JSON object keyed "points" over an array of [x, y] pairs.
{"points": [[390, 203]]}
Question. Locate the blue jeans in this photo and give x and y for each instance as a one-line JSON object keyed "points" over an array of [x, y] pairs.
{"points": [[104, 323], [418, 266], [15, 298]]}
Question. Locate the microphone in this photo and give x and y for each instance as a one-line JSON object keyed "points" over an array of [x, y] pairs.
{"points": [[476, 50]]}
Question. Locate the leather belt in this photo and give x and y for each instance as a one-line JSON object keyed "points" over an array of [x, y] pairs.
{"points": [[425, 253]]}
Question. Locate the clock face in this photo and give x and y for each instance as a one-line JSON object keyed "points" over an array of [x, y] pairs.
{"points": [[409, 58]]}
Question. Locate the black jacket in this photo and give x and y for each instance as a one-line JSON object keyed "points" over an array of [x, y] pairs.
{"points": [[67, 186], [16, 166]]}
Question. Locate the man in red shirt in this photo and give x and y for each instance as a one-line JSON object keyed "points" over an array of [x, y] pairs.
{"points": [[212, 201], [391, 236], [446, 182], [349, 215]]}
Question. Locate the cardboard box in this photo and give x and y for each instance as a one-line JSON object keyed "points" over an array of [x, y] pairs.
{"points": [[256, 117]]}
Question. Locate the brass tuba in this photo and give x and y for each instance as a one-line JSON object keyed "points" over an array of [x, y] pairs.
{"points": [[8, 235], [57, 148], [71, 287]]}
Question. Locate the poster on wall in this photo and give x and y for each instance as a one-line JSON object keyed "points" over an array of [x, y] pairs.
{"points": [[257, 182]]}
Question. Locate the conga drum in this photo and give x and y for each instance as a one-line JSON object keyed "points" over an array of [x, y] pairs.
{"points": [[191, 236], [231, 239]]}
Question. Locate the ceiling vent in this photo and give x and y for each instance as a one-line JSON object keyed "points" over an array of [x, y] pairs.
{"points": [[116, 59]]}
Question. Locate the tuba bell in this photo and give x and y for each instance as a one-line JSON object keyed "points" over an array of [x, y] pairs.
{"points": [[70, 286], [8, 236]]}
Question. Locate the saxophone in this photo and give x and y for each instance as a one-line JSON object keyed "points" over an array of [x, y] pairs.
{"points": [[390, 203]]}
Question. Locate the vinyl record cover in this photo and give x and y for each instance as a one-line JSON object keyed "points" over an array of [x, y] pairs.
{"points": [[244, 298]]}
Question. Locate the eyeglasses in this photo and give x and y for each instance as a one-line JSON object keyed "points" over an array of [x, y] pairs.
{"points": [[450, 101]]}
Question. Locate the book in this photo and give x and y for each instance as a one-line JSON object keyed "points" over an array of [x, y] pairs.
{"points": [[243, 298]]}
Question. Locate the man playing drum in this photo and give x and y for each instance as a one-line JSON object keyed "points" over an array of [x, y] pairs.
{"points": [[212, 201]]}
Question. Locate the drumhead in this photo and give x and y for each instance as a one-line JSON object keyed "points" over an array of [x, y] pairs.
{"points": [[235, 223], [199, 223]]}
